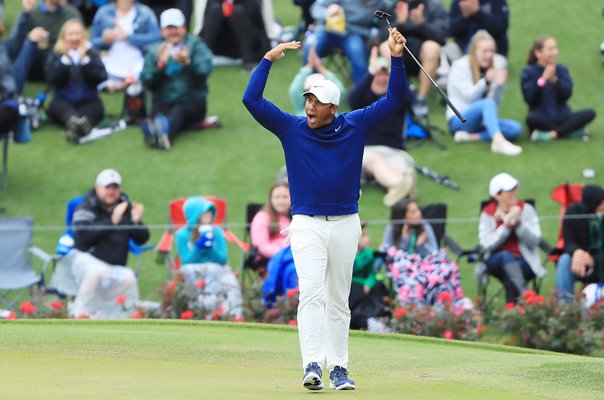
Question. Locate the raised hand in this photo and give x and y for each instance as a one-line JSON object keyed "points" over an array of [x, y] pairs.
{"points": [[118, 212], [278, 52], [136, 214], [396, 42]]}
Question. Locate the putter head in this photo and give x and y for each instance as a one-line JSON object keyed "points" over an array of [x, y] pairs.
{"points": [[383, 15]]}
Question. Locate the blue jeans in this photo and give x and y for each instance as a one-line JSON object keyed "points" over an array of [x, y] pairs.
{"points": [[353, 45], [482, 118], [565, 279], [496, 266]]}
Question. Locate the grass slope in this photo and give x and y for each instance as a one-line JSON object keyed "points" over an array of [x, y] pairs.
{"points": [[186, 360], [239, 161]]}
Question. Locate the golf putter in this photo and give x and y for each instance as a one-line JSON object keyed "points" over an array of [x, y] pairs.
{"points": [[385, 16]]}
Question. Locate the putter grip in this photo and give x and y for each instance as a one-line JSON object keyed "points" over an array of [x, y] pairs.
{"points": [[455, 110]]}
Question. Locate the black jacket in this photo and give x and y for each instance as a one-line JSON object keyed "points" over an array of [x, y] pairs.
{"points": [[585, 233], [109, 244]]}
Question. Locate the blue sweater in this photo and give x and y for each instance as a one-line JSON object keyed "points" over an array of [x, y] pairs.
{"points": [[324, 165]]}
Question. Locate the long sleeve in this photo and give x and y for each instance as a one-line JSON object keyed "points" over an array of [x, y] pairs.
{"points": [[529, 230], [190, 254], [94, 71], [491, 238], [152, 76], [359, 94], [18, 35], [84, 237], [260, 235], [531, 92], [265, 112], [57, 72], [394, 99], [564, 85], [148, 31], [495, 21], [201, 60]]}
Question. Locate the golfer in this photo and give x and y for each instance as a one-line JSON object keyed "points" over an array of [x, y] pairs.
{"points": [[323, 154]]}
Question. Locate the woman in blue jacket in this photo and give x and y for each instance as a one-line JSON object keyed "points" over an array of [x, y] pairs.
{"points": [[546, 88]]}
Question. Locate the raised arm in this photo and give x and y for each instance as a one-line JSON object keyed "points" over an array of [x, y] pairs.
{"points": [[265, 112], [397, 86]]}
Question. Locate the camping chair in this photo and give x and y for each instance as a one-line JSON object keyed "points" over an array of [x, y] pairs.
{"points": [[17, 272], [252, 259], [178, 220], [477, 254], [565, 195]]}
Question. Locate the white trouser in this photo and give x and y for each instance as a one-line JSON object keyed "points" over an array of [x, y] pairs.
{"points": [[324, 251]]}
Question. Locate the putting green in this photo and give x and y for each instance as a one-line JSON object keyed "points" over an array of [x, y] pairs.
{"points": [[54, 359]]}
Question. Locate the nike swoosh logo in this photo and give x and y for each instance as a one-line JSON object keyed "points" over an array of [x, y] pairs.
{"points": [[338, 128]]}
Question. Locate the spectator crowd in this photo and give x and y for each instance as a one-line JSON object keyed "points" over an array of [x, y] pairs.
{"points": [[166, 50]]}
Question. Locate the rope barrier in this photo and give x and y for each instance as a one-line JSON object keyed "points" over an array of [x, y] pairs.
{"points": [[232, 226]]}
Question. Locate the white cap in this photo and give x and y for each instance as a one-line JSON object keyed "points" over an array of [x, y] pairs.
{"points": [[108, 177], [172, 17], [502, 183], [326, 91]]}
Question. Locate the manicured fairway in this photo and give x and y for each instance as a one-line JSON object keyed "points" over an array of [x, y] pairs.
{"points": [[193, 360]]}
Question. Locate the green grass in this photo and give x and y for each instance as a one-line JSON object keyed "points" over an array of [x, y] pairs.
{"points": [[186, 360], [240, 160]]}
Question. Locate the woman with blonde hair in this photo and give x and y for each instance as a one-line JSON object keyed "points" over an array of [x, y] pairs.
{"points": [[476, 84], [74, 70]]}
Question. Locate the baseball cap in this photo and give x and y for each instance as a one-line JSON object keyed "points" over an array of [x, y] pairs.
{"points": [[108, 177], [502, 183], [326, 91], [172, 17]]}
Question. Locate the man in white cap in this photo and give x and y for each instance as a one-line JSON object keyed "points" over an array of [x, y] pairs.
{"points": [[176, 73], [323, 155], [95, 270]]}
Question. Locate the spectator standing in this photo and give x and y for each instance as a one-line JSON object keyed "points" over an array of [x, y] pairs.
{"points": [[546, 88], [74, 69], [40, 24], [176, 73]]}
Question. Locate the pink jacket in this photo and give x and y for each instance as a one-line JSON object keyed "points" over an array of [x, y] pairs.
{"points": [[259, 232]]}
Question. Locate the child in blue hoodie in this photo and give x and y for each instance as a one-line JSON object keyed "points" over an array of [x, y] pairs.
{"points": [[202, 248], [200, 241]]}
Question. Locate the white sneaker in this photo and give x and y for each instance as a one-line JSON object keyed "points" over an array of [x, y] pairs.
{"points": [[461, 136], [506, 148]]}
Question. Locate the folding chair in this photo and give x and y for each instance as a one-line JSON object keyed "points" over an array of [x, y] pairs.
{"points": [[17, 273], [565, 195], [252, 259], [178, 220]]}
